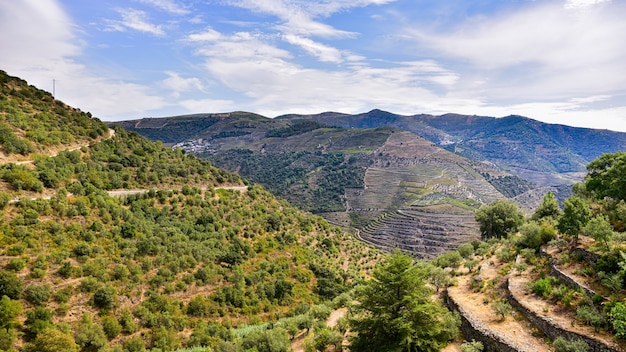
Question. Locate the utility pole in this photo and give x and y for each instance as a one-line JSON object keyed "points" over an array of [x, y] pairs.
{"points": [[54, 86]]}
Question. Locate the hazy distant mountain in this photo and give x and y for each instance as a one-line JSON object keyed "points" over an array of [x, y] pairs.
{"points": [[546, 154]]}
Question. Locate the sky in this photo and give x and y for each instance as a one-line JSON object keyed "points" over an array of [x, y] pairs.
{"points": [[558, 61]]}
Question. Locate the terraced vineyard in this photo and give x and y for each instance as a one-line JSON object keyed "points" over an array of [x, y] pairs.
{"points": [[424, 231]]}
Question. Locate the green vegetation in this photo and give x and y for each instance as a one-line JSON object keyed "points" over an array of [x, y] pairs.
{"points": [[31, 120], [499, 219], [298, 127], [396, 313], [91, 272], [314, 182]]}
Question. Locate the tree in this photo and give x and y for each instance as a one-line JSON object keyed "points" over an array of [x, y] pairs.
{"points": [[499, 219], [53, 340], [548, 209], [104, 298], [575, 216], [617, 316], [90, 336], [10, 285], [605, 176], [395, 311], [275, 340], [599, 229]]}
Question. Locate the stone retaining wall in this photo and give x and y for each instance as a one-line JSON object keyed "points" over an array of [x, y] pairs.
{"points": [[552, 330], [563, 276], [589, 257], [474, 330]]}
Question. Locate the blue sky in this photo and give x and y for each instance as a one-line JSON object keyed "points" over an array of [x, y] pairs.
{"points": [[560, 61]]}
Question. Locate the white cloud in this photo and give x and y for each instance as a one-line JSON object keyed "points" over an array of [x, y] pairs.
{"points": [[539, 53], [321, 51], [208, 35], [136, 20], [243, 45], [582, 4], [179, 84], [212, 105], [298, 16], [39, 45], [167, 5]]}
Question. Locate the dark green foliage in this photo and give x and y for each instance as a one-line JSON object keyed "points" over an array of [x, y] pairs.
{"points": [[535, 235], [548, 209], [299, 127], [178, 129], [37, 320], [104, 297], [53, 340], [274, 340], [543, 287], [499, 219], [509, 186], [617, 317], [289, 174], [605, 176], [111, 327], [576, 215], [599, 229], [591, 316], [37, 295], [395, 312], [90, 335], [10, 285], [11, 143], [563, 345], [10, 310]]}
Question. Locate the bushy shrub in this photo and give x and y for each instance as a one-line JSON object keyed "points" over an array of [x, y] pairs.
{"points": [[104, 297], [543, 287], [37, 295], [563, 345]]}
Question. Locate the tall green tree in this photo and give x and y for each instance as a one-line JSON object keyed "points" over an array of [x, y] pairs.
{"points": [[576, 215], [605, 176], [548, 209], [600, 229], [396, 313], [499, 219]]}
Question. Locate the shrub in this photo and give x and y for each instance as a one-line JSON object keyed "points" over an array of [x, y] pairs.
{"points": [[111, 327], [104, 298], [16, 264], [466, 250], [501, 309], [543, 287], [617, 317], [591, 316], [474, 346], [10, 285], [563, 345], [37, 295]]}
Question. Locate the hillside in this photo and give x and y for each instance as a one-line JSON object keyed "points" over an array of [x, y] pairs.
{"points": [[185, 260], [361, 177], [364, 178], [545, 154]]}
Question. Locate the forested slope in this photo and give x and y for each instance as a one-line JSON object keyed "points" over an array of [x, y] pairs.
{"points": [[186, 263]]}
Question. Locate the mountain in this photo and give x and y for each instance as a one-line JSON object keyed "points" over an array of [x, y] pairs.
{"points": [[545, 154], [109, 241]]}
